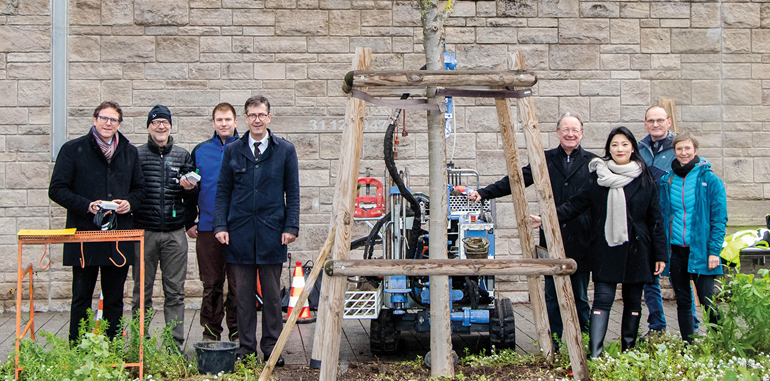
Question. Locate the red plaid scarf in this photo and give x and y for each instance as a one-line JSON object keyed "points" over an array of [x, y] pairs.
{"points": [[107, 148]]}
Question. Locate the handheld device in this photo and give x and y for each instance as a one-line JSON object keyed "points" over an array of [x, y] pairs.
{"points": [[108, 205]]}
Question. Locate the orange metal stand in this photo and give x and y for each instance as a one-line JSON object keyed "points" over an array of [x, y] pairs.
{"points": [[44, 237]]}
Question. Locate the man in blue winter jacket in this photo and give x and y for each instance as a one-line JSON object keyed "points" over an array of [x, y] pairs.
{"points": [[257, 216], [657, 151], [212, 267]]}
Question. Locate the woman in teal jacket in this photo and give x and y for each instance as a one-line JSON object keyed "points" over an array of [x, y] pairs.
{"points": [[694, 205]]}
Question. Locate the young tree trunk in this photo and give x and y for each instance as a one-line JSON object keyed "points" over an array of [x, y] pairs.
{"points": [[441, 333]]}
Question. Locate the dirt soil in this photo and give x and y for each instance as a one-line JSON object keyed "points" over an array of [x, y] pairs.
{"points": [[406, 372]]}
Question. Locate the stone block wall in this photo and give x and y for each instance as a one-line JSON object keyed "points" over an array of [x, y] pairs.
{"points": [[606, 61]]}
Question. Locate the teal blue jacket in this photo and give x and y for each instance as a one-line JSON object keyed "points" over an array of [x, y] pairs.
{"points": [[708, 220]]}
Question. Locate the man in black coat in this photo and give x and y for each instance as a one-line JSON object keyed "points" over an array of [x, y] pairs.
{"points": [[256, 214], [101, 165], [167, 212], [568, 169]]}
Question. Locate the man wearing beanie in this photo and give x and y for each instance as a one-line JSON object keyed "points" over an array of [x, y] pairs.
{"points": [[165, 216]]}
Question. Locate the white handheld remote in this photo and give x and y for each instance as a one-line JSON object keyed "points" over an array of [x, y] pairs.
{"points": [[192, 177], [109, 205]]}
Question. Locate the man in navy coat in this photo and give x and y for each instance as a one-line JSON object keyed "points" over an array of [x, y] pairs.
{"points": [[257, 215], [568, 171]]}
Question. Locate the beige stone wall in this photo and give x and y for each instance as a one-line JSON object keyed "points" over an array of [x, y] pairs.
{"points": [[606, 61]]}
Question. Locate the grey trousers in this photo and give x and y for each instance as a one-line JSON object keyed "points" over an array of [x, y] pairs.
{"points": [[272, 319], [170, 250]]}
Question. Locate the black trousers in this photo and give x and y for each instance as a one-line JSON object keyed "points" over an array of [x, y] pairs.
{"points": [[680, 280], [604, 296], [213, 270], [83, 282], [580, 291], [246, 294]]}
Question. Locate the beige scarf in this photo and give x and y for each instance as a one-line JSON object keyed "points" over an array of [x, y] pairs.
{"points": [[615, 177]]}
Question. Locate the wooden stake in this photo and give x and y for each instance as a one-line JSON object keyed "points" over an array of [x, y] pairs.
{"points": [[296, 311], [345, 194], [520, 206], [669, 104], [571, 335]]}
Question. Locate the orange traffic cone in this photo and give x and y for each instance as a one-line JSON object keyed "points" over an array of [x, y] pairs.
{"points": [[100, 310], [297, 284]]}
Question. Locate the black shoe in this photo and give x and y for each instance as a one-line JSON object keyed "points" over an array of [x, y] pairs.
{"points": [[239, 357], [278, 362]]}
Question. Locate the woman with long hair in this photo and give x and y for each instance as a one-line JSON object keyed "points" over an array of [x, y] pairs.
{"points": [[628, 243], [694, 206]]}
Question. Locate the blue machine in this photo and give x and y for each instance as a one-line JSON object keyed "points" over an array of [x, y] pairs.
{"points": [[472, 299]]}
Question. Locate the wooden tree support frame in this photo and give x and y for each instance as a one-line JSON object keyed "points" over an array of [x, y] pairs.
{"points": [[329, 324], [45, 237]]}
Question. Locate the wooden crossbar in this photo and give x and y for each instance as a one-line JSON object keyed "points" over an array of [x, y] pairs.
{"points": [[451, 267], [440, 78]]}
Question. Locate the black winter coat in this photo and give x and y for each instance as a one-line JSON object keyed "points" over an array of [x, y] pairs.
{"points": [[82, 175], [565, 183], [633, 261], [167, 203]]}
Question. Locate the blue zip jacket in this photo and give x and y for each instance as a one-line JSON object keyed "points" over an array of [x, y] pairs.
{"points": [[207, 159], [663, 154], [707, 220]]}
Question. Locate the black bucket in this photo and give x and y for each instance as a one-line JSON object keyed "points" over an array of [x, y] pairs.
{"points": [[215, 356]]}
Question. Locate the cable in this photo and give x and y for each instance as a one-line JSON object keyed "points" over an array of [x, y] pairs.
{"points": [[390, 164]]}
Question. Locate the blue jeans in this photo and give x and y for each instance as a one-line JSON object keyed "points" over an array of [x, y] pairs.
{"points": [[580, 291], [656, 321], [652, 298]]}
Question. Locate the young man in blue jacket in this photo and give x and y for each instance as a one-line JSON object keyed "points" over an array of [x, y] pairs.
{"points": [[212, 267], [257, 216]]}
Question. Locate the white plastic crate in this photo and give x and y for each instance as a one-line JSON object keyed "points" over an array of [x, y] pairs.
{"points": [[363, 304]]}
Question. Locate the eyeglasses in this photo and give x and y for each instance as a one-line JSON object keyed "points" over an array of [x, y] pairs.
{"points": [[573, 131], [156, 123], [251, 117], [107, 120], [653, 121]]}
